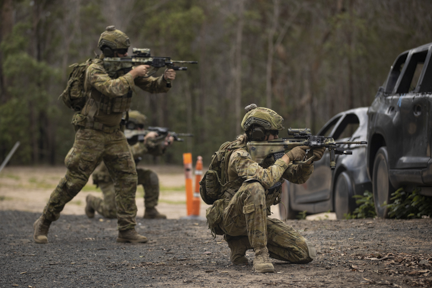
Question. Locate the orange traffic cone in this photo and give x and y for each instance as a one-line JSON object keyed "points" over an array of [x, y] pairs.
{"points": [[196, 195], [187, 162]]}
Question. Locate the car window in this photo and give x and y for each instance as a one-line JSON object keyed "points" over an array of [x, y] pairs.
{"points": [[426, 85], [395, 72], [347, 127], [328, 127], [412, 73]]}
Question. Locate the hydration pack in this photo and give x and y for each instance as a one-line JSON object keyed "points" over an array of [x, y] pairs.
{"points": [[74, 96]]}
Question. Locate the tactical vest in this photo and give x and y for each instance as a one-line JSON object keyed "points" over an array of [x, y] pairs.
{"points": [[108, 105]]}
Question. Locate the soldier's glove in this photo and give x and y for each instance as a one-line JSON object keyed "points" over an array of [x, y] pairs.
{"points": [[318, 153], [297, 153]]}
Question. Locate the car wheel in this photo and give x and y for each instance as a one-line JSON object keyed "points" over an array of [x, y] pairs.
{"points": [[343, 194], [285, 210], [381, 186]]}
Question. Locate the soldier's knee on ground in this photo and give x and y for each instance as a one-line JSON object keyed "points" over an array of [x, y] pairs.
{"points": [[309, 253]]}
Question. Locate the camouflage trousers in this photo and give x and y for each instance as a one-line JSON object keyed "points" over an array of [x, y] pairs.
{"points": [[107, 206], [246, 216], [89, 149]]}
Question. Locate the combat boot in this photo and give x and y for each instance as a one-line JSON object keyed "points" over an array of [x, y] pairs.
{"points": [[89, 211], [40, 230], [152, 213], [262, 262], [130, 236], [238, 247]]}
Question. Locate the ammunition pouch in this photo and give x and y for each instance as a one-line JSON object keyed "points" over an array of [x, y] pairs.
{"points": [[210, 187], [214, 217], [117, 104], [80, 122]]}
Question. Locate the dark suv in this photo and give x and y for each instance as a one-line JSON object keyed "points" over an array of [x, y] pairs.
{"points": [[399, 128]]}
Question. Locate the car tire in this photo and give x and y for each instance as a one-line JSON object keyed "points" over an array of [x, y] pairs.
{"points": [[343, 194], [381, 186], [285, 210]]}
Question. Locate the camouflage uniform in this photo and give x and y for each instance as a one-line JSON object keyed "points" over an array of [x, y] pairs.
{"points": [[98, 137], [146, 177], [244, 214], [249, 189]]}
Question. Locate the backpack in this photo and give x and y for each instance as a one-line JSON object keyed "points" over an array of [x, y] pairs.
{"points": [[216, 178], [74, 96]]}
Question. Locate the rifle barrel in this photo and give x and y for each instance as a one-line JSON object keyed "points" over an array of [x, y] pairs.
{"points": [[351, 142]]}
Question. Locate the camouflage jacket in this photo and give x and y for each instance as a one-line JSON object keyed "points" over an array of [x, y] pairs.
{"points": [[242, 166], [151, 146], [109, 98]]}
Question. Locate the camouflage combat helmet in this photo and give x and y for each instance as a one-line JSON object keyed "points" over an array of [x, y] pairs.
{"points": [[114, 39], [137, 117], [264, 117]]}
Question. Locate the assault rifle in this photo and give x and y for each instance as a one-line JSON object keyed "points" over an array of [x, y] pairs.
{"points": [[261, 150], [163, 131], [134, 136], [142, 56]]}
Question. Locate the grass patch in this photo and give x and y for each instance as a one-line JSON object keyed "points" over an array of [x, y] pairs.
{"points": [[11, 176], [4, 198], [172, 188], [90, 188], [172, 202], [77, 202]]}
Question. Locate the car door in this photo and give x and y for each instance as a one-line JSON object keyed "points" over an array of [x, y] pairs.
{"points": [[412, 122], [314, 193]]}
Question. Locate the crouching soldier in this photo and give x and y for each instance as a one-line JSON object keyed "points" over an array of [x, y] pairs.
{"points": [[152, 144], [248, 191]]}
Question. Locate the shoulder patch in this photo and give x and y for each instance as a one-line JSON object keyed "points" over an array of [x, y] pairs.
{"points": [[243, 153]]}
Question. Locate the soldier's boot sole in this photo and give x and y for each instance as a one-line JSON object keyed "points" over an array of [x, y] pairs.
{"points": [[37, 236]]}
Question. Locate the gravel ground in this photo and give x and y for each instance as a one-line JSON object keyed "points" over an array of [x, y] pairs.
{"points": [[83, 252]]}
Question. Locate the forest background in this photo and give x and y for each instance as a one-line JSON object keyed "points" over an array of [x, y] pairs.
{"points": [[306, 59]]}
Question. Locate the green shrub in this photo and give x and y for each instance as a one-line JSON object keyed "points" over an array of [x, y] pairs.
{"points": [[407, 205], [366, 208], [302, 215]]}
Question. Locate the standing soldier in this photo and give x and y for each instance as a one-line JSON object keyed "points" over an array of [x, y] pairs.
{"points": [[146, 177], [98, 137], [241, 212]]}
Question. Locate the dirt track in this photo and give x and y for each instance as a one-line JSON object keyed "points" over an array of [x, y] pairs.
{"points": [[83, 252]]}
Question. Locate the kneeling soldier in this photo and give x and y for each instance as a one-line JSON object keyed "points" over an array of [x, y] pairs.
{"points": [[250, 189]]}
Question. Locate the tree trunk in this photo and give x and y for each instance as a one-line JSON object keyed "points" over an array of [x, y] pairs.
{"points": [[270, 51], [238, 64], [6, 28]]}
